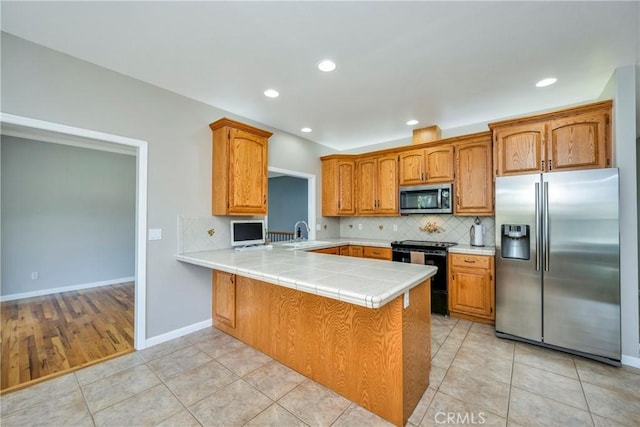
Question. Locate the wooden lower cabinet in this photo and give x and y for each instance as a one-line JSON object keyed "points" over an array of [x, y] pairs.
{"points": [[471, 287], [224, 298], [378, 358], [358, 251], [377, 253], [331, 251]]}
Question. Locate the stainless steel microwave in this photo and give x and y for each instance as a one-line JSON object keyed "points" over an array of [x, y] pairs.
{"points": [[426, 199]]}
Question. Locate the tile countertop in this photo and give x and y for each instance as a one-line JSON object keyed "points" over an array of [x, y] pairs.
{"points": [[365, 282], [472, 250]]}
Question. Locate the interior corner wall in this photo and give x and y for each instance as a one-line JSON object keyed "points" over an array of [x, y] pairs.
{"points": [[68, 213], [625, 156], [41, 83]]}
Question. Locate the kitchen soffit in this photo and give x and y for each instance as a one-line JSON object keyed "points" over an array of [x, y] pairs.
{"points": [[447, 63]]}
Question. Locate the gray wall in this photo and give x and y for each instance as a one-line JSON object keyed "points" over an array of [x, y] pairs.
{"points": [[44, 84], [68, 213], [288, 203]]}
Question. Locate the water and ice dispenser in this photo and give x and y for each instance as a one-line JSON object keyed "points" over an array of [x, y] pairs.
{"points": [[515, 242]]}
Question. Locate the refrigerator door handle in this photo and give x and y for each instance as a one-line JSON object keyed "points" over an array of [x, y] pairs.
{"points": [[546, 237], [537, 233]]}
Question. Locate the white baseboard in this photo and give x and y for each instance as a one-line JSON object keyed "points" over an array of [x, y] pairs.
{"points": [[176, 333], [65, 289], [631, 361]]}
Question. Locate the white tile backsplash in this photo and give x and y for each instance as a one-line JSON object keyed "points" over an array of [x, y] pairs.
{"points": [[454, 228]]}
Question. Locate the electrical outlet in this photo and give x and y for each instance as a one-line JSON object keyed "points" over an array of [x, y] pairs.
{"points": [[34, 275], [359, 226], [395, 227]]}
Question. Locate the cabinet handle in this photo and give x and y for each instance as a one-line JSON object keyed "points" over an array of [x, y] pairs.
{"points": [[470, 261], [453, 277], [542, 165], [264, 200], [232, 278], [550, 164], [421, 176], [426, 176], [338, 204]]}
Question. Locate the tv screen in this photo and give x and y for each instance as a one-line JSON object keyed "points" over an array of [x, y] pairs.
{"points": [[248, 232]]}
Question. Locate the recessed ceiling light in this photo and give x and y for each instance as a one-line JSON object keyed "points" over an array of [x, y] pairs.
{"points": [[306, 130], [546, 82], [326, 65], [271, 93], [412, 122]]}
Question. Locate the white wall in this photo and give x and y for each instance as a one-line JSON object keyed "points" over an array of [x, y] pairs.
{"points": [[43, 84], [68, 213], [622, 89]]}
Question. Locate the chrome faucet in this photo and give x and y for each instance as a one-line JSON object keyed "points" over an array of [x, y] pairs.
{"points": [[295, 230]]}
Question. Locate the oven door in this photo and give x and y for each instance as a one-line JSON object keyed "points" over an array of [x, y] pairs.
{"points": [[439, 296]]}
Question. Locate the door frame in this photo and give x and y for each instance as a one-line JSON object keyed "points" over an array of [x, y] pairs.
{"points": [[311, 196], [96, 140]]}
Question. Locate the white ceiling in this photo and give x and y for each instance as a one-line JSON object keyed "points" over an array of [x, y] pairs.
{"points": [[447, 63]]}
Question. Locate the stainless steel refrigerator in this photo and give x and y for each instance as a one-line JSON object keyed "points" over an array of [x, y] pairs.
{"points": [[558, 261]]}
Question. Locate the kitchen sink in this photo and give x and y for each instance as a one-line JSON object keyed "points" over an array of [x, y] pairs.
{"points": [[305, 243]]}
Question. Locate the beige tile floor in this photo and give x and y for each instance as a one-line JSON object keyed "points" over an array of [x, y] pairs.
{"points": [[210, 379]]}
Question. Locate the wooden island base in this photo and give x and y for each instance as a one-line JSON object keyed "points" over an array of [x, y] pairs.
{"points": [[378, 358]]}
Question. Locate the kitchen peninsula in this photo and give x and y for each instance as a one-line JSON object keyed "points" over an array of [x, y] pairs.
{"points": [[358, 326]]}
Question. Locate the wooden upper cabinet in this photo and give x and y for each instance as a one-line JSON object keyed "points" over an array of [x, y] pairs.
{"points": [[519, 149], [473, 186], [426, 165], [240, 165], [338, 186], [412, 167], [574, 138], [439, 163], [578, 142], [387, 185], [377, 185]]}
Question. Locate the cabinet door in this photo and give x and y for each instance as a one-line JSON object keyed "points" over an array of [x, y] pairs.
{"points": [[346, 193], [387, 185], [247, 173], [356, 251], [377, 253], [366, 175], [578, 142], [474, 179], [439, 161], [470, 291], [331, 251], [224, 298], [519, 149], [412, 167]]}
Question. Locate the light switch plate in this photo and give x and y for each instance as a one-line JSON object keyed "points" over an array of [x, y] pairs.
{"points": [[359, 226], [395, 227], [155, 234]]}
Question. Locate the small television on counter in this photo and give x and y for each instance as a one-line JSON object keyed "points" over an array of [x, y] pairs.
{"points": [[247, 232]]}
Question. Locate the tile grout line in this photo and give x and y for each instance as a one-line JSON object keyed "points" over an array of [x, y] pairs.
{"points": [[584, 394], [84, 398], [513, 368]]}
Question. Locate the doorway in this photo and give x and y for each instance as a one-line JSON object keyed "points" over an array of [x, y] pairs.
{"points": [[302, 206], [52, 132]]}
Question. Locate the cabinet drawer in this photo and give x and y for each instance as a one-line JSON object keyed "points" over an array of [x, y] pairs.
{"points": [[377, 253], [470, 261]]}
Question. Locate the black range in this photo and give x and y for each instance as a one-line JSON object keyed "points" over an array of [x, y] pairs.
{"points": [[428, 253]]}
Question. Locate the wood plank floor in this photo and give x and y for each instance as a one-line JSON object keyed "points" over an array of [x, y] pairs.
{"points": [[54, 334]]}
